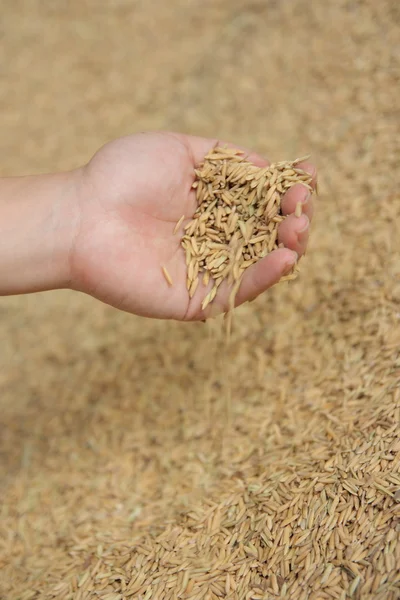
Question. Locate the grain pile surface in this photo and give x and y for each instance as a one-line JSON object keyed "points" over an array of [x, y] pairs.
{"points": [[144, 459], [237, 218]]}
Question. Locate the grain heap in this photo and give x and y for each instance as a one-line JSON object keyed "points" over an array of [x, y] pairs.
{"points": [[237, 218], [318, 526]]}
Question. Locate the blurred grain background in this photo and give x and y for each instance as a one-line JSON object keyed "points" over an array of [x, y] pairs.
{"points": [[110, 425]]}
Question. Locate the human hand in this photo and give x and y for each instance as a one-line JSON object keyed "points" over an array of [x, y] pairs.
{"points": [[132, 193]]}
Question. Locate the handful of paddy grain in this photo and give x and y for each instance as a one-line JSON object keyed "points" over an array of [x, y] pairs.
{"points": [[237, 218]]}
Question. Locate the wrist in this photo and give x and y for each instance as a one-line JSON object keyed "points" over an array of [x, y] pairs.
{"points": [[39, 216]]}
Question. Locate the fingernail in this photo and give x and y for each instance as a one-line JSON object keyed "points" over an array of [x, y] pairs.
{"points": [[306, 197], [290, 263], [304, 223]]}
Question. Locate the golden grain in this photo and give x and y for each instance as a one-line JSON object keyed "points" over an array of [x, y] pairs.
{"points": [[238, 208], [179, 223], [299, 209], [167, 276]]}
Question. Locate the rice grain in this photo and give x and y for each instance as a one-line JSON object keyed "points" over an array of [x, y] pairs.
{"points": [[237, 217], [167, 276]]}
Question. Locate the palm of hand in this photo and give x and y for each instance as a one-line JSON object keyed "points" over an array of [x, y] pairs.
{"points": [[135, 190]]}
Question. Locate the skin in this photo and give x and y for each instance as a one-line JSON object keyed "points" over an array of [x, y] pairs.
{"points": [[106, 228]]}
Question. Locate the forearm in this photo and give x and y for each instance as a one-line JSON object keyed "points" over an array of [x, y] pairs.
{"points": [[38, 217]]}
